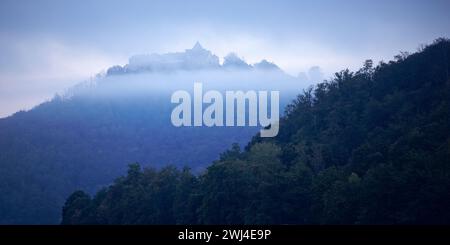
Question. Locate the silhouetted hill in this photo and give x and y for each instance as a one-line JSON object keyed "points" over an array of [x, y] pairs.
{"points": [[86, 138], [368, 147]]}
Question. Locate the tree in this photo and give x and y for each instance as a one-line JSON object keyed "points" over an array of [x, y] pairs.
{"points": [[77, 209]]}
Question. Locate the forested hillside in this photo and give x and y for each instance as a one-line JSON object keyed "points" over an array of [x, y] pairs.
{"points": [[367, 147], [86, 137]]}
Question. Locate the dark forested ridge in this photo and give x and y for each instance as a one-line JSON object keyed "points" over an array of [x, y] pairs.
{"points": [[368, 147], [85, 138]]}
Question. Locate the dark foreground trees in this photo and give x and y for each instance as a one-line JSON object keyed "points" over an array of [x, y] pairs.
{"points": [[368, 147]]}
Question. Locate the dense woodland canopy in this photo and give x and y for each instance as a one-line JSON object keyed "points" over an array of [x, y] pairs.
{"points": [[86, 137], [367, 147]]}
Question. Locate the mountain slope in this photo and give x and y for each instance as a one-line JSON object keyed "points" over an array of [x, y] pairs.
{"points": [[85, 138], [370, 147]]}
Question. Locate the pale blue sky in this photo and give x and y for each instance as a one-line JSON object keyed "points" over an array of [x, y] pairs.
{"points": [[47, 46]]}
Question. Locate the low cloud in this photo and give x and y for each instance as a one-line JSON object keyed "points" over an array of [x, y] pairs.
{"points": [[33, 70], [314, 75]]}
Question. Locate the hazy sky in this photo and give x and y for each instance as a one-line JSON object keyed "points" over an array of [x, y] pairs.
{"points": [[47, 46]]}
